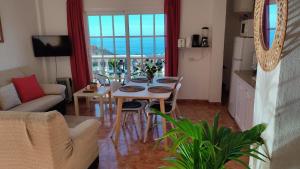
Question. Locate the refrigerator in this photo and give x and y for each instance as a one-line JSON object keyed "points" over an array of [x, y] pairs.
{"points": [[243, 52]]}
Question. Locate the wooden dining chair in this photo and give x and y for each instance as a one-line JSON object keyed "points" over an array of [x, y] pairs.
{"points": [[102, 79], [169, 109], [130, 108]]}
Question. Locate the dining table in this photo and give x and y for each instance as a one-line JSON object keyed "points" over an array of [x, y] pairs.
{"points": [[120, 96]]}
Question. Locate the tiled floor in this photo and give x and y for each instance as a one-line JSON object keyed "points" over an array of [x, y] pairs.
{"points": [[132, 153]]}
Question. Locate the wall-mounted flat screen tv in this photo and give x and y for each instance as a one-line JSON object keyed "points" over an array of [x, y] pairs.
{"points": [[51, 46]]}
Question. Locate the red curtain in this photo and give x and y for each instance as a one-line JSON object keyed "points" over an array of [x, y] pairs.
{"points": [[172, 13], [79, 58]]}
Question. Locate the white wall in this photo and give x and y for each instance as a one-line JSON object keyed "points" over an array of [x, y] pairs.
{"points": [[277, 101], [53, 21], [194, 64], [216, 65], [124, 5], [201, 71], [19, 24]]}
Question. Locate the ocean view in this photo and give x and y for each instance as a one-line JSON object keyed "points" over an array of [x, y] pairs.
{"points": [[135, 46], [107, 34]]}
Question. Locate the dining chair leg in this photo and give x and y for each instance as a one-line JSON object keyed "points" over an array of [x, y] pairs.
{"points": [[172, 114], [125, 116], [149, 121], [113, 131], [178, 112], [138, 124]]}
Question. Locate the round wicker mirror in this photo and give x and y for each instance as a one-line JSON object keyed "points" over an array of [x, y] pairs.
{"points": [[269, 57]]}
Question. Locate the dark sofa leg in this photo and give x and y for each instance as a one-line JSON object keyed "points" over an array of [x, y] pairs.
{"points": [[60, 107], [95, 164]]}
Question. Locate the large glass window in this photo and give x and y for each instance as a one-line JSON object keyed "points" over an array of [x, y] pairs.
{"points": [[270, 23], [121, 45]]}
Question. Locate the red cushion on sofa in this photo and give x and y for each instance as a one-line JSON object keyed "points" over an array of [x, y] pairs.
{"points": [[28, 88]]}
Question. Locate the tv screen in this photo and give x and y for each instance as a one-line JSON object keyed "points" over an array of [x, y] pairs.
{"points": [[51, 46]]}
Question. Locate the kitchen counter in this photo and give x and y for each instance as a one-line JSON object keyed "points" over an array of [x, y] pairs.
{"points": [[247, 75]]}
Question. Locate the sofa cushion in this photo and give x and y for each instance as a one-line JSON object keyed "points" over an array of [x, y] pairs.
{"points": [[28, 88], [7, 75], [39, 105], [54, 89], [8, 97]]}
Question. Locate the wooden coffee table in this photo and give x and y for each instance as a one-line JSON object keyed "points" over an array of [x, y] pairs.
{"points": [[101, 93]]}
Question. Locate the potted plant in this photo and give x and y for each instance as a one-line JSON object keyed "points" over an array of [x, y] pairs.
{"points": [[150, 70], [201, 146]]}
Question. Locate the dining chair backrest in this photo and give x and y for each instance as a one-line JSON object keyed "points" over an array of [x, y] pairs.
{"points": [[102, 79], [175, 95], [115, 86], [180, 79], [133, 76]]}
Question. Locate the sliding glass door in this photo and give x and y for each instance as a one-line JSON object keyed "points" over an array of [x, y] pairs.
{"points": [[121, 44]]}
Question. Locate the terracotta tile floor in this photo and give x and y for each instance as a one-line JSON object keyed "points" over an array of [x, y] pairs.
{"points": [[133, 154]]}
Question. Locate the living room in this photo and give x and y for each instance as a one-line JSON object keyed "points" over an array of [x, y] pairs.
{"points": [[129, 60]]}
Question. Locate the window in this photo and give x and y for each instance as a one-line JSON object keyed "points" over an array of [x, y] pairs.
{"points": [[271, 22], [121, 44]]}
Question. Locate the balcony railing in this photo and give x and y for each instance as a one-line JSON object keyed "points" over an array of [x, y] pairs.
{"points": [[116, 68]]}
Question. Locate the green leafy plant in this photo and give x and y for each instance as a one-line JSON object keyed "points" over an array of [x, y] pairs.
{"points": [[150, 70], [201, 146]]}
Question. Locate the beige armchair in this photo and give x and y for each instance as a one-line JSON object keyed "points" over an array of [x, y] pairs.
{"points": [[44, 141]]}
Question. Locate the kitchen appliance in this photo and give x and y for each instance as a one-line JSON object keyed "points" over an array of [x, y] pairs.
{"points": [[242, 60], [204, 40], [243, 54], [196, 40], [247, 28]]}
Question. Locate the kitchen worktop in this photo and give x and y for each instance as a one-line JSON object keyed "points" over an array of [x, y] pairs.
{"points": [[246, 75]]}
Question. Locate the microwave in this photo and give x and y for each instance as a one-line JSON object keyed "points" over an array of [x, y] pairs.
{"points": [[247, 28]]}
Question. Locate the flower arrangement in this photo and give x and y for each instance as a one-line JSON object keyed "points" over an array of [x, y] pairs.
{"points": [[150, 70]]}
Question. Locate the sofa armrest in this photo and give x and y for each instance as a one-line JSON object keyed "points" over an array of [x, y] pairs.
{"points": [[84, 144], [85, 129], [54, 89]]}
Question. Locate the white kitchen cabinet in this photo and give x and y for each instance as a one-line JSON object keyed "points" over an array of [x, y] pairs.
{"points": [[232, 96], [241, 102]]}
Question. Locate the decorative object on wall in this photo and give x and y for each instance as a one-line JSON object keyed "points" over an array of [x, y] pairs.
{"points": [[269, 58], [1, 33]]}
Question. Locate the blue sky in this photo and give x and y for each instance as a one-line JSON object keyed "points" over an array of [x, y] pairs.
{"points": [[272, 22], [119, 25]]}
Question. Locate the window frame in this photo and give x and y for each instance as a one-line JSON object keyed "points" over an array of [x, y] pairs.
{"points": [[127, 37]]}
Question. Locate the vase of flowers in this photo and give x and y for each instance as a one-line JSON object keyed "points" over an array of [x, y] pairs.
{"points": [[150, 70]]}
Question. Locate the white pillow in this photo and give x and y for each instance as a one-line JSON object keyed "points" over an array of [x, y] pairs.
{"points": [[9, 97]]}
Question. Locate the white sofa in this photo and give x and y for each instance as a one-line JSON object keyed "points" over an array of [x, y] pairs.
{"points": [[55, 93], [44, 141]]}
